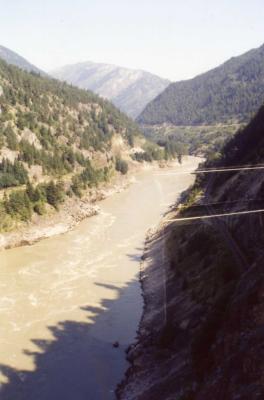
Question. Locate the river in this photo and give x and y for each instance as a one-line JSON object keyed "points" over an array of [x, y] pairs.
{"points": [[64, 301]]}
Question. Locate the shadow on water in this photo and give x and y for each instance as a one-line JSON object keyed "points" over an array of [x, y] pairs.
{"points": [[79, 362], [137, 257]]}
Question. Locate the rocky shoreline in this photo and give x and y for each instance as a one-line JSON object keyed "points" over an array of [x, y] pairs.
{"points": [[159, 359], [71, 213], [158, 370], [140, 354]]}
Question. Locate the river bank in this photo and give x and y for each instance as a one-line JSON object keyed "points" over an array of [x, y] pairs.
{"points": [[71, 212], [145, 356], [158, 368]]}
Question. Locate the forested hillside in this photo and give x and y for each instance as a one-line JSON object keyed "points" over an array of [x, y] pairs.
{"points": [[55, 141], [210, 346], [233, 92]]}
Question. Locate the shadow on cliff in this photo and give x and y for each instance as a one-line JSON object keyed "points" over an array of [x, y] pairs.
{"points": [[80, 361]]}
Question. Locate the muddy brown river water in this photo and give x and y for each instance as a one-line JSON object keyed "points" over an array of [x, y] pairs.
{"points": [[65, 300]]}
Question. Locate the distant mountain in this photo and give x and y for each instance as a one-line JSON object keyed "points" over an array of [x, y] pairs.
{"points": [[230, 93], [15, 59], [130, 90]]}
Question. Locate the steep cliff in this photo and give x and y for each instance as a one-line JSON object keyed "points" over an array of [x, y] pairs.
{"points": [[201, 336]]}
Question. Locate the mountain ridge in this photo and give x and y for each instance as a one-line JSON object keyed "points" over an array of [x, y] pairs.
{"points": [[129, 89], [233, 91], [13, 58]]}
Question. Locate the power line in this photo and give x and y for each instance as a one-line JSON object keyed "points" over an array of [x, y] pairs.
{"points": [[214, 170], [236, 166], [216, 203], [215, 215], [227, 169]]}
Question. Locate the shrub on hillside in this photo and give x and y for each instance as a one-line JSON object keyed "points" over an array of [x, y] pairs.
{"points": [[121, 166]]}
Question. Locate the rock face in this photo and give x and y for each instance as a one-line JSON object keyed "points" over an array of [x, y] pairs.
{"points": [[15, 59], [201, 334], [130, 90]]}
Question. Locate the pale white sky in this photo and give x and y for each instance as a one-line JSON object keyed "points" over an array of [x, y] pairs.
{"points": [[176, 39]]}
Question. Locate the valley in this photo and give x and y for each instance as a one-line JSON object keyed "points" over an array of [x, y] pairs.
{"points": [[131, 206]]}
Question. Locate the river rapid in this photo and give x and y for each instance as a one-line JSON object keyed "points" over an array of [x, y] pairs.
{"points": [[64, 301]]}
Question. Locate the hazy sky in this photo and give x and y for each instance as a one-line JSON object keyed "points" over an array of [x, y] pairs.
{"points": [[176, 39]]}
